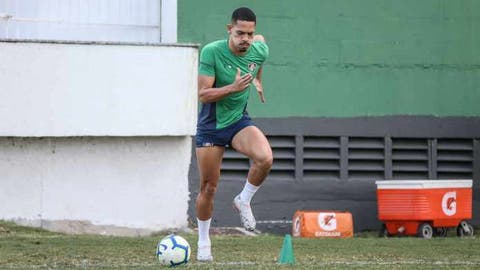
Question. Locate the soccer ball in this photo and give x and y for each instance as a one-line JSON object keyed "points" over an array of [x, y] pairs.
{"points": [[173, 250]]}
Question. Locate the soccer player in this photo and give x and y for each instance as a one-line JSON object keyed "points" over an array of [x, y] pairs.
{"points": [[228, 68]]}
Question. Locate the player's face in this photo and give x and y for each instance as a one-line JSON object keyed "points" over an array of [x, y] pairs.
{"points": [[241, 35]]}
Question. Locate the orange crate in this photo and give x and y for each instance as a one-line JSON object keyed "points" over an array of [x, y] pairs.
{"points": [[407, 206], [314, 224]]}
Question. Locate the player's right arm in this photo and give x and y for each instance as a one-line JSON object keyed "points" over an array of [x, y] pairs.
{"points": [[207, 93]]}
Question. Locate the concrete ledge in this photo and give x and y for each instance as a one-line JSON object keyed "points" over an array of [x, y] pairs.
{"points": [[87, 227]]}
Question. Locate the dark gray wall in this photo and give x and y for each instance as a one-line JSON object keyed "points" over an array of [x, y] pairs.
{"points": [[442, 148]]}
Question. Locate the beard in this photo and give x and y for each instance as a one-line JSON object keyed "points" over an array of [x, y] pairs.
{"points": [[243, 47]]}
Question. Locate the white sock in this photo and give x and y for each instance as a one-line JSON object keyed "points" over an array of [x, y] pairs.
{"points": [[248, 192], [204, 232]]}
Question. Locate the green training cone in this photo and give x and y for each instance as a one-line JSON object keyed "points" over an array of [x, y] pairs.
{"points": [[286, 254]]}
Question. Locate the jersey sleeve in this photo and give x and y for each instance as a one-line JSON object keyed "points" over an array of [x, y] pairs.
{"points": [[263, 49], [207, 62]]}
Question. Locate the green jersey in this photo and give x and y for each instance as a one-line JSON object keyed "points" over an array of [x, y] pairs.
{"points": [[217, 60]]}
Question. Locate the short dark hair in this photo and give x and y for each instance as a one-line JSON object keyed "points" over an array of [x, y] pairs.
{"points": [[243, 14]]}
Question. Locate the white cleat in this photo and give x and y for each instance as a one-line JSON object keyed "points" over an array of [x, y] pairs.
{"points": [[204, 253], [246, 215]]}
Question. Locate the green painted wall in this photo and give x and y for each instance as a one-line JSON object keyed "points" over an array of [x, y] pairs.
{"points": [[343, 58]]}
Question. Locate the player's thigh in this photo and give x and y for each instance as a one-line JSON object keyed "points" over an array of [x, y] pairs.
{"points": [[209, 160], [251, 142]]}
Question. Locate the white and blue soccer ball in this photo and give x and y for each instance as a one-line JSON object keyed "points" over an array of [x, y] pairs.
{"points": [[173, 250]]}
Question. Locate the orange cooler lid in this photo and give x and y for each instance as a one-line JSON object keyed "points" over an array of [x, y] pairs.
{"points": [[423, 184]]}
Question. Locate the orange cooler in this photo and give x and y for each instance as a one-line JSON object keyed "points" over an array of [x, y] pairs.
{"points": [[316, 224], [405, 205]]}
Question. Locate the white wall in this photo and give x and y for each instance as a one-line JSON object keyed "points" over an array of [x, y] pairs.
{"points": [[169, 21], [88, 20], [138, 182], [96, 90], [52, 95], [99, 135]]}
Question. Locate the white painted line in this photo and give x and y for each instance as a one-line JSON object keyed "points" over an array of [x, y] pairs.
{"points": [[279, 221], [245, 232]]}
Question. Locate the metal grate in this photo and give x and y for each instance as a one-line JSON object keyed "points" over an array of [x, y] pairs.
{"points": [[366, 158], [321, 158], [327, 158], [410, 158], [454, 159], [234, 165], [283, 148]]}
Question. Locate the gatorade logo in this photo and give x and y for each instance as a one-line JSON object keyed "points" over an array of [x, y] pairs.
{"points": [[449, 203], [296, 226], [327, 221]]}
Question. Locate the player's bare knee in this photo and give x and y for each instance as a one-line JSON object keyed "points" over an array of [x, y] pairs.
{"points": [[210, 189], [268, 162], [265, 162]]}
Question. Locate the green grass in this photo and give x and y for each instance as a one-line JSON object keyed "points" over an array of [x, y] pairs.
{"points": [[27, 248]]}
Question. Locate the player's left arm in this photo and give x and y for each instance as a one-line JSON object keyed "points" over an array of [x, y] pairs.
{"points": [[258, 84], [258, 79]]}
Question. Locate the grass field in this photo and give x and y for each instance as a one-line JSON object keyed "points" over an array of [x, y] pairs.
{"points": [[27, 248]]}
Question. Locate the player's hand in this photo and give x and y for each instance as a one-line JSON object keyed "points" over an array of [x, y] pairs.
{"points": [[259, 87], [241, 82]]}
